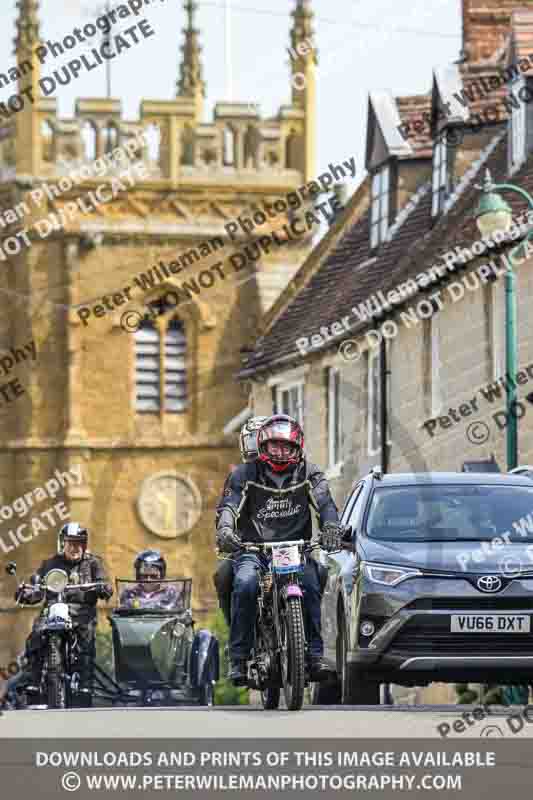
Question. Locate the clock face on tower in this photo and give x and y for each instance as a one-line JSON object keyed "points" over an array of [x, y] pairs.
{"points": [[169, 504]]}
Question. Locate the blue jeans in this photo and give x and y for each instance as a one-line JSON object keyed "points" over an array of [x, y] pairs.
{"points": [[246, 569]]}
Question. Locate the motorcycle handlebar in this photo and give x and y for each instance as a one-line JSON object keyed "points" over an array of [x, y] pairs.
{"points": [[270, 545]]}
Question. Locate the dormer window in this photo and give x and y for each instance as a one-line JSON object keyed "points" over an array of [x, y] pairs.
{"points": [[380, 209], [517, 122], [441, 180]]}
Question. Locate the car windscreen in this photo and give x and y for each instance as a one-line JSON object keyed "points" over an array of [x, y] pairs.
{"points": [[445, 513]]}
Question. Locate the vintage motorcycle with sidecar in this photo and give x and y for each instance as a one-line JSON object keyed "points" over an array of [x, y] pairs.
{"points": [[159, 658]]}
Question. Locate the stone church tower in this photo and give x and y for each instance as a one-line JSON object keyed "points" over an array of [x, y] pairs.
{"points": [[141, 412]]}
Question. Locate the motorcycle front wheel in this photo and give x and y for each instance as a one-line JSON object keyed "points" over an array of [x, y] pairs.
{"points": [[293, 653], [55, 675]]}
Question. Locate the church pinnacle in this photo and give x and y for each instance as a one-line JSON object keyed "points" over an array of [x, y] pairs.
{"points": [[302, 29], [27, 24], [191, 83]]}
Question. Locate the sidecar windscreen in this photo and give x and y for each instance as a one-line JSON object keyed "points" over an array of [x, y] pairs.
{"points": [[159, 595]]}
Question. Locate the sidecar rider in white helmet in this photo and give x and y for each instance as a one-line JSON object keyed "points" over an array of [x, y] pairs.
{"points": [[223, 577]]}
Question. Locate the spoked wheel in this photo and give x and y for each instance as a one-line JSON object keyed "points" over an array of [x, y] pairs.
{"points": [[270, 698], [56, 680], [293, 653]]}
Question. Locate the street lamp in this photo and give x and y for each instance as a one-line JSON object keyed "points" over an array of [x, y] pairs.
{"points": [[494, 215]]}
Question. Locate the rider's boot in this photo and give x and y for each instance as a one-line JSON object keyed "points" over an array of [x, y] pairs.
{"points": [[239, 672], [319, 669]]}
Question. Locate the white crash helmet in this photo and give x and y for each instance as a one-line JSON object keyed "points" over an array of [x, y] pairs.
{"points": [[248, 438]]}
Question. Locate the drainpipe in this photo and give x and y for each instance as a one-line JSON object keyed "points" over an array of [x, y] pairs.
{"points": [[383, 421]]}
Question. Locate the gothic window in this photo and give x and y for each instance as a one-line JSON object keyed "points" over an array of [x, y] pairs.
{"points": [[110, 137], [229, 146], [187, 147], [250, 146], [147, 367], [291, 151], [88, 135], [47, 137], [441, 180], [380, 206], [161, 369], [175, 377]]}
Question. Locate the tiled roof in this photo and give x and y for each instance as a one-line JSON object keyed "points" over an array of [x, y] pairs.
{"points": [[346, 279]]}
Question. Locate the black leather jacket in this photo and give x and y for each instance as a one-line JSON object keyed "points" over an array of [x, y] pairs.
{"points": [[82, 604], [259, 504]]}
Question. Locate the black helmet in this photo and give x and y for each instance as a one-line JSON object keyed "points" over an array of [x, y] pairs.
{"points": [[150, 558], [72, 532]]}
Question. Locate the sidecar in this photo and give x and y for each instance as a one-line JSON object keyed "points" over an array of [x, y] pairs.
{"points": [[159, 658]]}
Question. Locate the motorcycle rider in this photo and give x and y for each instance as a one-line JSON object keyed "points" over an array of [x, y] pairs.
{"points": [[223, 577], [150, 568], [268, 500], [81, 566]]}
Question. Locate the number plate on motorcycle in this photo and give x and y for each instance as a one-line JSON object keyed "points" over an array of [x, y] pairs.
{"points": [[286, 559], [58, 611], [490, 623]]}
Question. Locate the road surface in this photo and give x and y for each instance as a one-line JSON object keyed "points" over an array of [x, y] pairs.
{"points": [[251, 721]]}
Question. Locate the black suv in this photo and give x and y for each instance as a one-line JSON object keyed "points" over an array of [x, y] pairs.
{"points": [[437, 586]]}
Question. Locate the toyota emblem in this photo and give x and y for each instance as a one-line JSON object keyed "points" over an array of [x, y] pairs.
{"points": [[489, 583]]}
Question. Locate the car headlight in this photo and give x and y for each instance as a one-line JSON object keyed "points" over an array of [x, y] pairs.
{"points": [[389, 575]]}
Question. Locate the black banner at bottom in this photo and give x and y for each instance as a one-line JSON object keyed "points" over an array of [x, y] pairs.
{"points": [[206, 768]]}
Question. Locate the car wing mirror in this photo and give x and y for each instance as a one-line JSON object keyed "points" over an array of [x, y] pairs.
{"points": [[349, 538]]}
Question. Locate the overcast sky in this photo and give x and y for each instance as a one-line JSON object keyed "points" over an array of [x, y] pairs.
{"points": [[363, 45]]}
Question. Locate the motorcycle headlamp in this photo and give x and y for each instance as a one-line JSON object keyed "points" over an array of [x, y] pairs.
{"points": [[388, 575], [56, 580]]}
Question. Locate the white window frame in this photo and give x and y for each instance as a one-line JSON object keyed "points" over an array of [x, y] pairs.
{"points": [[334, 421], [517, 123], [373, 425], [440, 182], [286, 387], [380, 206]]}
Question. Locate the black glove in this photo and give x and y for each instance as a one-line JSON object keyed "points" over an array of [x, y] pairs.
{"points": [[23, 594], [104, 592], [80, 596], [332, 536], [228, 541]]}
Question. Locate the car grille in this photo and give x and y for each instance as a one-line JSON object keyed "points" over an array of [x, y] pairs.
{"points": [[432, 637], [493, 604]]}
